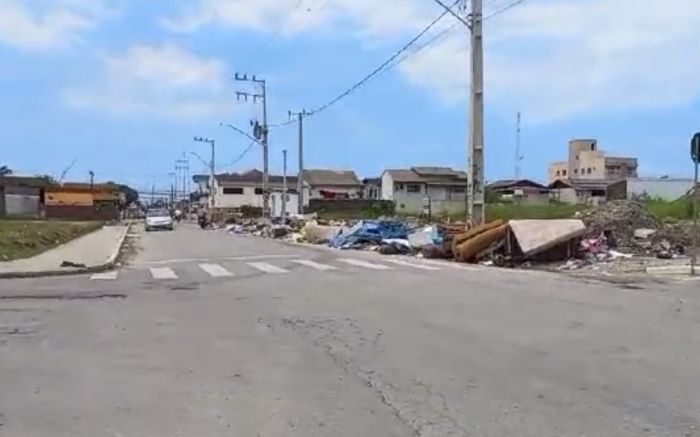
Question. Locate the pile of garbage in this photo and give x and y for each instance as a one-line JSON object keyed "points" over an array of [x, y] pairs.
{"points": [[617, 220]]}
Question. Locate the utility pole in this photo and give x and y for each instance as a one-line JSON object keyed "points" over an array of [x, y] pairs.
{"points": [[212, 166], [517, 148], [300, 181], [284, 186], [153, 194], [183, 165], [92, 180], [476, 119], [260, 132]]}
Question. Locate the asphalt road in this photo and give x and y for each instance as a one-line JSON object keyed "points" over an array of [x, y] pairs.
{"points": [[209, 334]]}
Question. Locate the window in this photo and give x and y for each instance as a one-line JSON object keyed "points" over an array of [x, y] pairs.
{"points": [[399, 187], [233, 190], [413, 188], [575, 171], [258, 191], [558, 173], [563, 172], [459, 189], [589, 170]]}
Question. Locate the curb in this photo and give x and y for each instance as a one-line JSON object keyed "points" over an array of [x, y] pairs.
{"points": [[75, 271]]}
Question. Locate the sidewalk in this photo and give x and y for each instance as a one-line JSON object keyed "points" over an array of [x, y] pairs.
{"points": [[93, 252]]}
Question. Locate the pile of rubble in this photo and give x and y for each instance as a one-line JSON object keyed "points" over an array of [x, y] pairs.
{"points": [[628, 227]]}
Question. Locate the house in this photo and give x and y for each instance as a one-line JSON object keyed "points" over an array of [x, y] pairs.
{"points": [[372, 188], [333, 184], [589, 192], [522, 191], [22, 196], [235, 190], [83, 201], [443, 188], [586, 162]]}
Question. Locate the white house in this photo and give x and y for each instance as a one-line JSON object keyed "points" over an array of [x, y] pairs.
{"points": [[444, 188], [234, 190], [333, 184]]}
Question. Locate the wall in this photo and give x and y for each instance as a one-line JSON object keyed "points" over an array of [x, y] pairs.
{"points": [[68, 198], [276, 204], [352, 191], [372, 191], [248, 198], [666, 189], [590, 165], [575, 149], [562, 167], [21, 201], [352, 208], [564, 195], [387, 186]]}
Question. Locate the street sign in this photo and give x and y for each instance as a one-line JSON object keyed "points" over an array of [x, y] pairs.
{"points": [[695, 148]]}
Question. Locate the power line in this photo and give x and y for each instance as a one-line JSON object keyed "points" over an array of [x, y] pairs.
{"points": [[376, 71], [504, 9], [243, 153]]}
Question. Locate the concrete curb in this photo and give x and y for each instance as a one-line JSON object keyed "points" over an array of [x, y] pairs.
{"points": [[74, 271]]}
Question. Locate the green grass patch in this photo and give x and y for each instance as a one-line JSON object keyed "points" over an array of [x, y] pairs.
{"points": [[681, 209], [27, 238], [515, 211]]}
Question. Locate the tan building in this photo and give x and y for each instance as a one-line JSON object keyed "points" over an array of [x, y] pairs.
{"points": [[586, 162]]}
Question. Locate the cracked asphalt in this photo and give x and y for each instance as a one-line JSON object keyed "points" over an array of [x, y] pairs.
{"points": [[344, 352]]}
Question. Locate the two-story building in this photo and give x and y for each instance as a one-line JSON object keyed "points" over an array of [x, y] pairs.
{"points": [[586, 162], [442, 187]]}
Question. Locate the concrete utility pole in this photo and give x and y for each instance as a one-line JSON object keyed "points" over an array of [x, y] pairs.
{"points": [[212, 166], [300, 182], [260, 132], [92, 180], [476, 119], [518, 158], [284, 185], [183, 166]]}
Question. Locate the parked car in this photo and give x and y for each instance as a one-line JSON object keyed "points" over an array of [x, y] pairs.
{"points": [[158, 219]]}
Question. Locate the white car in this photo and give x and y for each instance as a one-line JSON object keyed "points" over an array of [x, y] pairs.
{"points": [[158, 219]]}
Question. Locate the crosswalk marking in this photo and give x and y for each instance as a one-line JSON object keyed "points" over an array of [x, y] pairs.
{"points": [[162, 273], [106, 276], [314, 264], [267, 268], [215, 270], [364, 264], [420, 266]]}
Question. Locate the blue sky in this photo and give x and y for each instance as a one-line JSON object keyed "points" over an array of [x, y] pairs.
{"points": [[122, 86]]}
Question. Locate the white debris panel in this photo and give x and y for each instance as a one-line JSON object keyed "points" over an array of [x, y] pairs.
{"points": [[535, 236]]}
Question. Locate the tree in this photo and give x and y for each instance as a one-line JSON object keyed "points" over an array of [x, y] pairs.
{"points": [[5, 170], [130, 194]]}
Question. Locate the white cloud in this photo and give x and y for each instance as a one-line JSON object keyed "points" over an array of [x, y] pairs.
{"points": [[370, 18], [163, 81], [40, 25], [560, 59]]}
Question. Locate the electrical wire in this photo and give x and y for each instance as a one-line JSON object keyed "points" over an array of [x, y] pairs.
{"points": [[243, 153], [374, 72], [503, 9]]}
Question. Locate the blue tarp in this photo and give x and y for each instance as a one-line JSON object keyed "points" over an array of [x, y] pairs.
{"points": [[369, 232]]}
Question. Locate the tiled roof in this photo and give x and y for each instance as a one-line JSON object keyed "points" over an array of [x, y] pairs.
{"points": [[331, 177]]}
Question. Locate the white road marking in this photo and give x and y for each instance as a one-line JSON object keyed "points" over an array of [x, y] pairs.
{"points": [[364, 264], [226, 258], [215, 270], [268, 268], [314, 265], [414, 265], [162, 273], [106, 276]]}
